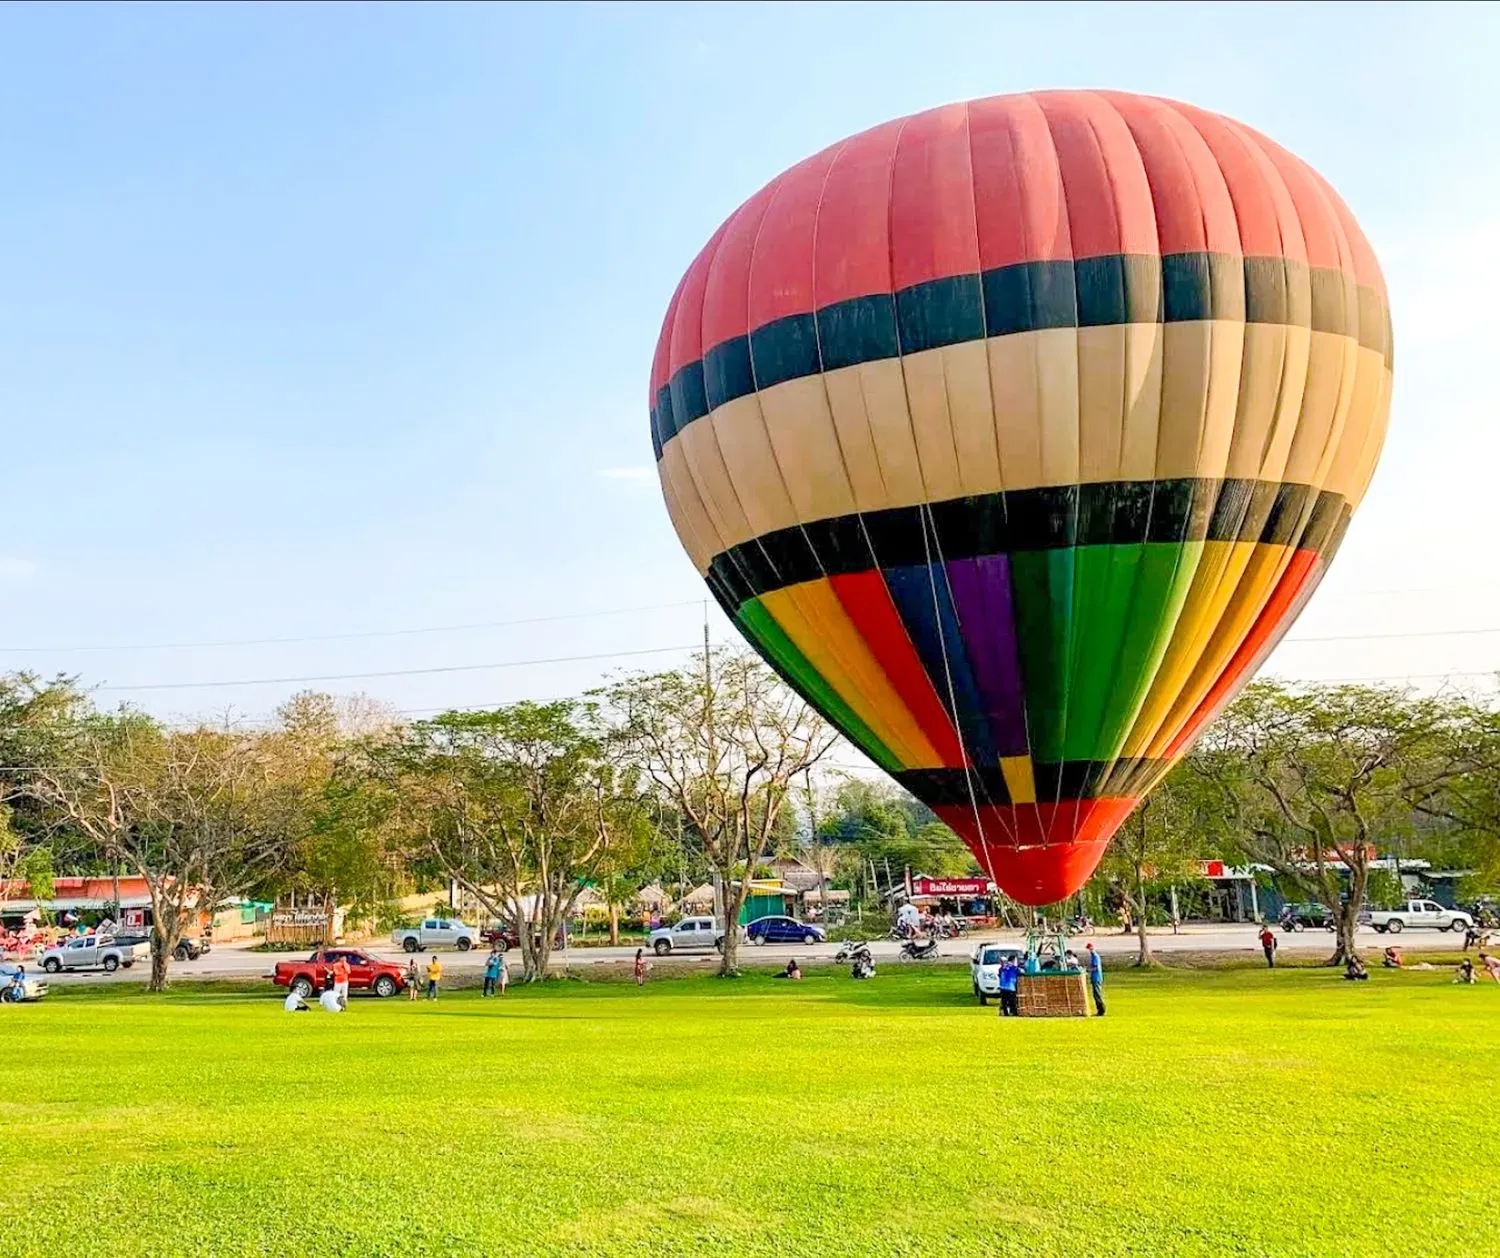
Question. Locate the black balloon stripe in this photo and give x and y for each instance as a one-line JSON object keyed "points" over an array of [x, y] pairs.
{"points": [[1024, 297], [1057, 780], [1049, 518]]}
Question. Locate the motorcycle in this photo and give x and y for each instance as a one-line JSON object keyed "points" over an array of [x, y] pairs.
{"points": [[919, 949], [852, 950]]}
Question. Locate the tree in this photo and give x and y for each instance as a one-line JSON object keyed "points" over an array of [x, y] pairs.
{"points": [[190, 811], [332, 813], [884, 825], [1309, 781], [34, 718], [518, 805], [723, 742], [1159, 845]]}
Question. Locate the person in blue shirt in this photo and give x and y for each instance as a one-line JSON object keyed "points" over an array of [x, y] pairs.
{"points": [[1010, 977], [491, 973], [1095, 967]]}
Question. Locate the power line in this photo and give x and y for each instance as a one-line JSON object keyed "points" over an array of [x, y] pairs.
{"points": [[348, 637], [1393, 677], [1410, 633], [397, 672]]}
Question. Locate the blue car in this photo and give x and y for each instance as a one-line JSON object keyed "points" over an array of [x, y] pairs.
{"points": [[764, 930]]}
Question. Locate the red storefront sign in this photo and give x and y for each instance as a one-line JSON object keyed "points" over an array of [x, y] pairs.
{"points": [[951, 886], [1212, 869]]}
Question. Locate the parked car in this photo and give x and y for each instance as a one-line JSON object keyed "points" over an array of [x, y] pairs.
{"points": [[90, 952], [764, 930], [1416, 914], [1309, 916], [984, 969], [366, 973], [691, 934], [33, 988], [191, 949], [505, 935], [436, 932]]}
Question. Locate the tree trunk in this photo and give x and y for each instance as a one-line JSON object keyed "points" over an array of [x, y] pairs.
{"points": [[1346, 947], [729, 963], [1143, 957], [161, 958], [543, 953], [614, 925]]}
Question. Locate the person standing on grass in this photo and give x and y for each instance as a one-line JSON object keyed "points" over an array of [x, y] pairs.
{"points": [[434, 977], [413, 980], [1010, 981], [503, 973], [491, 973], [341, 981], [1096, 977], [640, 967], [1268, 945]]}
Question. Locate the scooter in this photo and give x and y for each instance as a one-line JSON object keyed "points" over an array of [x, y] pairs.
{"points": [[919, 949], [852, 950]]}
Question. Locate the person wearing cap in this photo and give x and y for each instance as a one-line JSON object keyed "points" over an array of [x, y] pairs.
{"points": [[1095, 966]]}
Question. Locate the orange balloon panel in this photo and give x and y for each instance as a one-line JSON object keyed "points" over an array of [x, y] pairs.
{"points": [[1014, 435]]}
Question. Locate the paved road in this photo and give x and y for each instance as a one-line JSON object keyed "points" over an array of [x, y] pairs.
{"points": [[233, 961]]}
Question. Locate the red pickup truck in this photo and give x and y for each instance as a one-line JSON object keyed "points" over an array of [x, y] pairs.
{"points": [[366, 973]]}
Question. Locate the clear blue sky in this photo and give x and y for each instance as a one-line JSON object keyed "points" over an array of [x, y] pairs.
{"points": [[321, 320]]}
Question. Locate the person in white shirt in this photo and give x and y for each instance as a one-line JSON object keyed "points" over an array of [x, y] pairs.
{"points": [[294, 1002], [330, 1001]]}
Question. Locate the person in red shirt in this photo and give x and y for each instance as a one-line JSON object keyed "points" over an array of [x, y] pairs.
{"points": [[1268, 943], [341, 982]]}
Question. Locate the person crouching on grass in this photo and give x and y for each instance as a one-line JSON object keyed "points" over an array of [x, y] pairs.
{"points": [[434, 977]]}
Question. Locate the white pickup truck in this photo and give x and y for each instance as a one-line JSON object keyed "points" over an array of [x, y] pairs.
{"points": [[88, 952], [1414, 915], [436, 932]]}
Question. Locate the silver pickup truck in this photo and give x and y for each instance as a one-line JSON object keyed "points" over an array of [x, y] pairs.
{"points": [[92, 952], [1416, 914]]}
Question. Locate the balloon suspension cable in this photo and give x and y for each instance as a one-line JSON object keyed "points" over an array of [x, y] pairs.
{"points": [[1047, 948]]}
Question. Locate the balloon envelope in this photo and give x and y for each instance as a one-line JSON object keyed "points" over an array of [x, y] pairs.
{"points": [[1014, 435]]}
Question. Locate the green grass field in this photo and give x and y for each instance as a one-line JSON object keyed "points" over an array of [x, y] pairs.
{"points": [[1213, 1113]]}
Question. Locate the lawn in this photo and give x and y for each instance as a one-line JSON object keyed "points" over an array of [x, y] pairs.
{"points": [[1212, 1113]]}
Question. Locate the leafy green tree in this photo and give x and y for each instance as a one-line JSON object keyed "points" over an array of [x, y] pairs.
{"points": [[1159, 846], [1309, 781], [888, 828], [519, 805]]}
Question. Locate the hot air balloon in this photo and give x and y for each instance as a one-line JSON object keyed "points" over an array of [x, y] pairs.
{"points": [[1015, 434]]}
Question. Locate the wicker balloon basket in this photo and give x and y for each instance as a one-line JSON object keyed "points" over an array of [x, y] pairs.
{"points": [[1053, 996]]}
